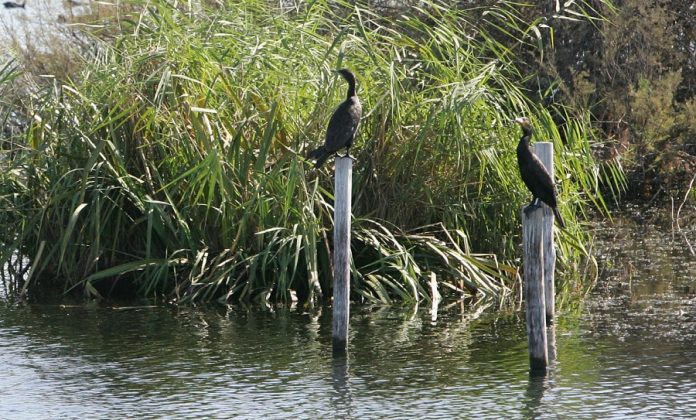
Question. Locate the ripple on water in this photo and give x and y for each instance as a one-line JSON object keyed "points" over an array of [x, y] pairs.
{"points": [[629, 353]]}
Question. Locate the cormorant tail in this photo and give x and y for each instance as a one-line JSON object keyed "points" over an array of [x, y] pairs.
{"points": [[558, 217], [320, 154]]}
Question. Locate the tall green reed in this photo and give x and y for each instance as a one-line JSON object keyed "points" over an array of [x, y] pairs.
{"points": [[173, 165]]}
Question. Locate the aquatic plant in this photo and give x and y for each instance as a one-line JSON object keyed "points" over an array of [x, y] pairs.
{"points": [[172, 165]]}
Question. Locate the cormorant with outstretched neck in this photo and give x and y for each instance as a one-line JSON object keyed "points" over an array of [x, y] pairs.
{"points": [[342, 126], [12, 5], [534, 174]]}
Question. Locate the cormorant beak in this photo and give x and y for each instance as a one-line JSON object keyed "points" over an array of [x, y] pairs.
{"points": [[523, 121]]}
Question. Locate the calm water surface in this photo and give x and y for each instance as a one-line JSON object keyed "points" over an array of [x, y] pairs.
{"points": [[39, 23], [629, 352]]}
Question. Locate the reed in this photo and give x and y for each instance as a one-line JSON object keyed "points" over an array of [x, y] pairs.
{"points": [[172, 165]]}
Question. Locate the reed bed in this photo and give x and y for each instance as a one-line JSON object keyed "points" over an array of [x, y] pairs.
{"points": [[172, 165]]}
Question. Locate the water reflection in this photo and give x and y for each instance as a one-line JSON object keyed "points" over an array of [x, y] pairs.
{"points": [[629, 351], [537, 384], [223, 362], [342, 399]]}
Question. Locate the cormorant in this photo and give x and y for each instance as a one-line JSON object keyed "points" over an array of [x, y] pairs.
{"points": [[342, 126], [534, 174], [12, 5]]}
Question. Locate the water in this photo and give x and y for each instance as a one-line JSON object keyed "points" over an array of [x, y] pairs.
{"points": [[628, 352], [40, 23]]}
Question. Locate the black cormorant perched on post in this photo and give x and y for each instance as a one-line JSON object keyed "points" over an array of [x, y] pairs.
{"points": [[342, 126], [12, 5], [534, 174]]}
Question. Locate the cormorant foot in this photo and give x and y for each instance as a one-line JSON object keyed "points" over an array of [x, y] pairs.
{"points": [[346, 155], [531, 207]]}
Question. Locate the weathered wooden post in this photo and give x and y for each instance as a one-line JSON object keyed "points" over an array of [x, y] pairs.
{"points": [[551, 342], [341, 263], [544, 150], [532, 244]]}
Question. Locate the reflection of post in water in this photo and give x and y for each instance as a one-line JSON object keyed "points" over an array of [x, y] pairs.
{"points": [[342, 401], [539, 380], [537, 384]]}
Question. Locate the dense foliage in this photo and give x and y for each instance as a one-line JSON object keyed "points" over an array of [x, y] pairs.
{"points": [[634, 71], [172, 165]]}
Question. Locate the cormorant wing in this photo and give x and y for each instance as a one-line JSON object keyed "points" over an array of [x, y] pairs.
{"points": [[343, 125]]}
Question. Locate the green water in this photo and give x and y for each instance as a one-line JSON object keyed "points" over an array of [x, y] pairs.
{"points": [[629, 352]]}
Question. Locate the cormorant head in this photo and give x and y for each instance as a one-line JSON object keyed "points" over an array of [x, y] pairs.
{"points": [[350, 78], [525, 124], [347, 74]]}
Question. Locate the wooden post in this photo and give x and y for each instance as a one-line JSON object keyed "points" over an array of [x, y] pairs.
{"points": [[544, 150], [532, 226], [437, 297], [551, 341], [341, 287]]}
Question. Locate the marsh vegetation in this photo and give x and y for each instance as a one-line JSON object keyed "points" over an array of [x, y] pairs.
{"points": [[171, 165]]}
